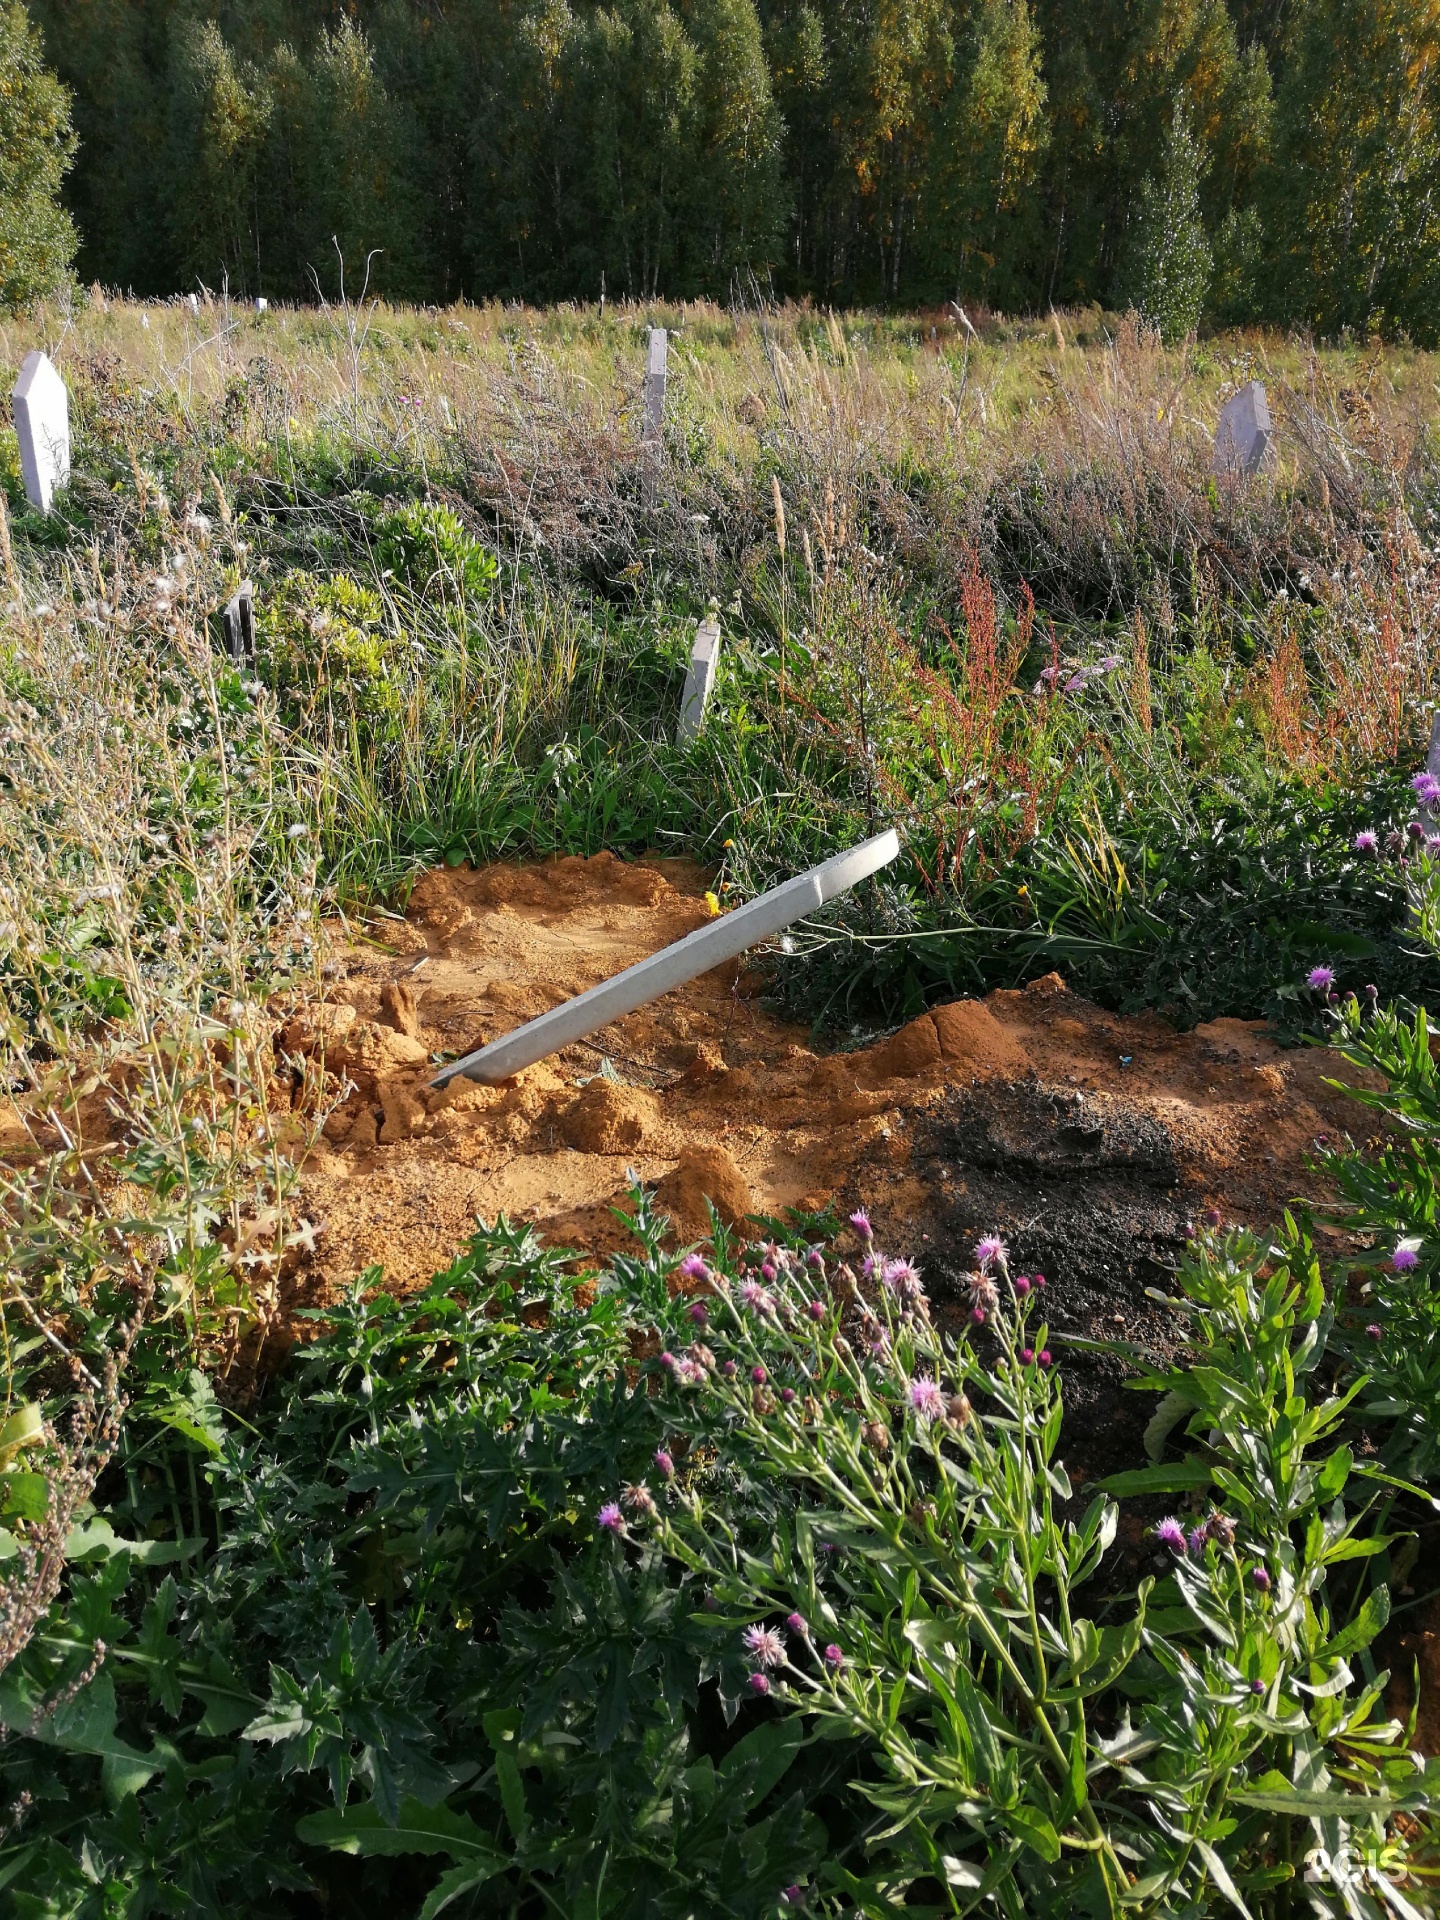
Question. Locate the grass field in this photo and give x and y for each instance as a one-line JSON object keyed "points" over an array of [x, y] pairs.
{"points": [[1148, 727]]}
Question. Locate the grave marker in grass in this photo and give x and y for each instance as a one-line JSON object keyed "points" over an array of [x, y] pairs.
{"points": [[41, 407], [239, 618], [1242, 438], [709, 946], [652, 424], [700, 676]]}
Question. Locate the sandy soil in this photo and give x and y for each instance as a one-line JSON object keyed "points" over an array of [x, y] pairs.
{"points": [[1007, 1112]]}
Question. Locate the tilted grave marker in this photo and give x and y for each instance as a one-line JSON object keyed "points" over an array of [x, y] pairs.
{"points": [[709, 946], [699, 677], [1242, 438], [652, 425], [41, 407], [239, 618]]}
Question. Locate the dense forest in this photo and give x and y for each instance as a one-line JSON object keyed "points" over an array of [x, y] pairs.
{"points": [[1270, 160]]}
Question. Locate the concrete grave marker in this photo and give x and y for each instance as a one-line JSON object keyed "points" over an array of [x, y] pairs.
{"points": [[239, 618], [1242, 438], [709, 946], [42, 424], [192, 300], [261, 304], [652, 423], [699, 676]]}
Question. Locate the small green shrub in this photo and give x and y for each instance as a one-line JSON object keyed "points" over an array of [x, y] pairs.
{"points": [[426, 544]]}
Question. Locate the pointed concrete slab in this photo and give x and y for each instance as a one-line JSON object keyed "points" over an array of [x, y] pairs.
{"points": [[42, 425], [699, 678], [1242, 438], [709, 946]]}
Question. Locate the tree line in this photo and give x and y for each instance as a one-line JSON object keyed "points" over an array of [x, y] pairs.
{"points": [[1217, 160]]}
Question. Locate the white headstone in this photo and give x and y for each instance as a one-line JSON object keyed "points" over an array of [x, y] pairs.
{"points": [[700, 677], [1242, 438], [261, 303], [192, 300], [42, 424], [709, 946]]}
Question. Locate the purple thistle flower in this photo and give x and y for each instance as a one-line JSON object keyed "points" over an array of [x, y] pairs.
{"points": [[639, 1499], [767, 1269], [1043, 1356], [1027, 1354], [1320, 978], [977, 1316], [982, 1290], [611, 1519], [1375, 1332], [764, 1646], [992, 1247], [814, 1258], [870, 1266], [729, 1369], [902, 1277], [1170, 1534], [1022, 1284], [787, 1394], [1404, 1258], [664, 1465], [1196, 1542], [669, 1362], [793, 1896], [754, 1296], [926, 1398], [1257, 1686], [700, 1313], [758, 1374], [1038, 1280], [798, 1625], [758, 1683], [1261, 1578], [1427, 787], [1108, 664], [834, 1658], [860, 1221], [816, 1309], [694, 1268], [1213, 1217], [1367, 841]]}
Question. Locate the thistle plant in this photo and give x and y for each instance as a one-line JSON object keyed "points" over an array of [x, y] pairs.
{"points": [[892, 1550]]}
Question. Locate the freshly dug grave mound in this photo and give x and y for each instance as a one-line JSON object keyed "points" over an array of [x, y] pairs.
{"points": [[1091, 1141]]}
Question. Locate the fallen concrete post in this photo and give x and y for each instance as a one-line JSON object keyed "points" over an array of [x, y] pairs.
{"points": [[709, 946]]}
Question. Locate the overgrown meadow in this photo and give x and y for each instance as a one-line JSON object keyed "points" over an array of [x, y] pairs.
{"points": [[719, 1581]]}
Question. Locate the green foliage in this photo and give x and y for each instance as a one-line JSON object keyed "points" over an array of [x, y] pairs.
{"points": [[1350, 200], [428, 546], [37, 149], [1170, 256], [471, 1595]]}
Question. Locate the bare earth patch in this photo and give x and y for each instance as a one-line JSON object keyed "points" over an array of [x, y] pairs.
{"points": [[1090, 1140]]}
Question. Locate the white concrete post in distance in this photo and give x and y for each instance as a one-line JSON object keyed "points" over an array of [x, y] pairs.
{"points": [[700, 676], [41, 407], [652, 424], [709, 946]]}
